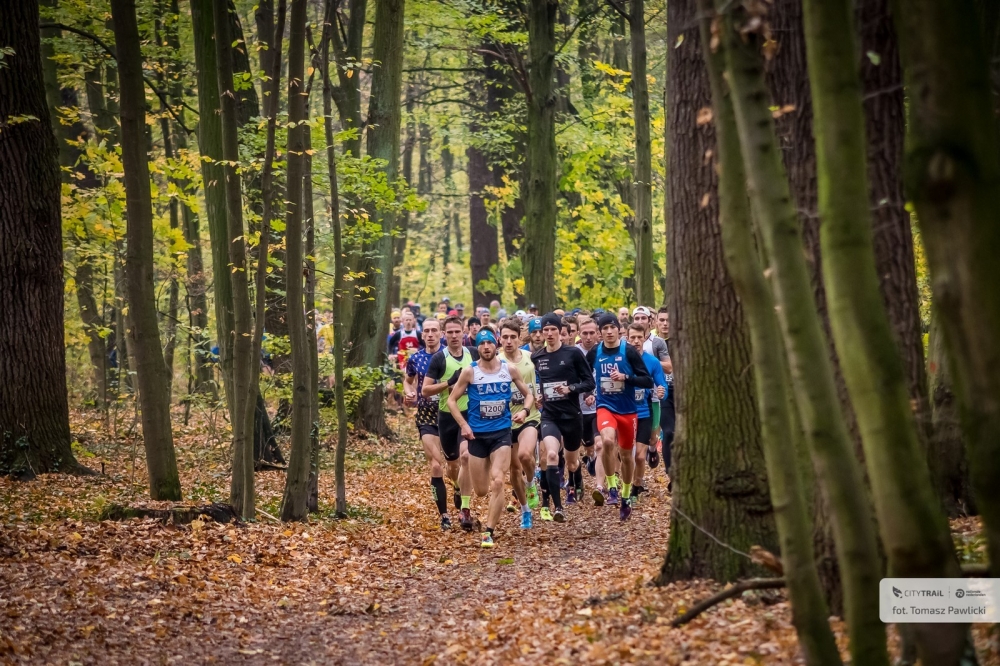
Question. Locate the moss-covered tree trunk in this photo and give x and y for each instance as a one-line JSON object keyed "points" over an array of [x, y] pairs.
{"points": [[210, 146], [913, 527], [953, 179], [34, 412], [538, 251], [642, 186], [837, 469], [144, 335], [718, 470], [294, 504], [241, 489], [778, 427]]}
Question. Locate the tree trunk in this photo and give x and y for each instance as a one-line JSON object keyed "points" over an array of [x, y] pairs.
{"points": [[384, 117], [241, 489], [837, 468], [310, 304], [294, 504], [913, 527], [485, 252], [538, 252], [499, 91], [953, 179], [778, 428], [642, 197], [173, 288], [144, 339], [718, 471], [34, 412], [338, 271], [213, 177], [947, 447], [588, 51]]}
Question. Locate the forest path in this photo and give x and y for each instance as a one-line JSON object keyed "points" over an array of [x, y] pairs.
{"points": [[383, 587]]}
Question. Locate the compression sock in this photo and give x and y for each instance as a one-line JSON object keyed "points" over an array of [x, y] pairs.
{"points": [[612, 481], [553, 476], [466, 501], [626, 490], [577, 478], [544, 484], [440, 494]]}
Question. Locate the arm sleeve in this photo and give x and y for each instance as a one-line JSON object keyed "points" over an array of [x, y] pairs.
{"points": [[436, 368], [592, 357], [641, 377], [585, 376], [393, 345]]}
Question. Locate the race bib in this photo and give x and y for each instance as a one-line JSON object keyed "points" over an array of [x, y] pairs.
{"points": [[609, 385], [550, 390], [491, 409], [640, 394], [516, 398]]}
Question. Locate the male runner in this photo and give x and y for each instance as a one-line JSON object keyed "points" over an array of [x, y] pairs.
{"points": [[486, 425], [619, 370], [442, 374], [472, 327], [667, 413], [524, 436], [427, 410], [648, 405], [570, 330], [591, 437], [406, 340], [563, 375], [535, 341], [657, 347]]}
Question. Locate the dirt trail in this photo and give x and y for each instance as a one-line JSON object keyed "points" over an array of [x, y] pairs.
{"points": [[385, 586]]}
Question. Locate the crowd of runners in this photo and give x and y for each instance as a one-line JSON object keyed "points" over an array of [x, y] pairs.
{"points": [[536, 399]]}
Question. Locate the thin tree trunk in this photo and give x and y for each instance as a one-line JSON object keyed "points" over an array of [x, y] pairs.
{"points": [[953, 179], [34, 410], [294, 504], [642, 186], [313, 343], [241, 489], [213, 177], [947, 447], [151, 373], [718, 470], [338, 271], [914, 529], [815, 391], [778, 428], [538, 252]]}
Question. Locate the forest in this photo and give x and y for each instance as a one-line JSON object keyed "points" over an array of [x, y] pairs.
{"points": [[256, 255]]}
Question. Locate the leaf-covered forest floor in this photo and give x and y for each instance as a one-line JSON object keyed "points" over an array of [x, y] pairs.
{"points": [[383, 586]]}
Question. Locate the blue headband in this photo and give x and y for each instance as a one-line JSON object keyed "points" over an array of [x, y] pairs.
{"points": [[485, 335], [535, 324]]}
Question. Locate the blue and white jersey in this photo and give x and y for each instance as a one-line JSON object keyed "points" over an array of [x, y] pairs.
{"points": [[613, 395], [644, 396], [489, 399]]}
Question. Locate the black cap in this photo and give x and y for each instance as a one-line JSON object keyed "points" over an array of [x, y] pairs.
{"points": [[551, 319], [608, 318], [473, 320], [532, 307]]}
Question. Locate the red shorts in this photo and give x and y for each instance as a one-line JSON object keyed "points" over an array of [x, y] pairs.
{"points": [[623, 424]]}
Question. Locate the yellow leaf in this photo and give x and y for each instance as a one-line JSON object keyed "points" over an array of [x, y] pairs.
{"points": [[350, 73], [235, 558], [75, 536]]}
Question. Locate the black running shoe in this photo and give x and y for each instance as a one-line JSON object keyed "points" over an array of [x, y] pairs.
{"points": [[445, 523], [652, 458]]}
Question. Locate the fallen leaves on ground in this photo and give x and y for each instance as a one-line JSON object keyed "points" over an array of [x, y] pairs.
{"points": [[383, 586]]}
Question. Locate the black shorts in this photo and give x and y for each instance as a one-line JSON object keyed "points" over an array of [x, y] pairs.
{"points": [[515, 432], [644, 430], [589, 425], [570, 431], [486, 443], [427, 423], [450, 434]]}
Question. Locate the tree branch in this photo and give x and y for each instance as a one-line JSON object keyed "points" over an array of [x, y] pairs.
{"points": [[728, 593], [110, 51], [620, 9]]}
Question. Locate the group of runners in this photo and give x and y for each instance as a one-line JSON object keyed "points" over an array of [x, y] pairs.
{"points": [[538, 399]]}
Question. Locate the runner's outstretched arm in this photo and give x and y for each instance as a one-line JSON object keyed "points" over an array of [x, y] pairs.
{"points": [[640, 377]]}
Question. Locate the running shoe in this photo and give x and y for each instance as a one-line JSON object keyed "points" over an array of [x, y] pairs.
{"points": [[445, 523], [599, 498], [526, 523], [624, 511], [592, 466], [532, 492], [466, 520], [544, 513], [652, 457], [570, 496], [487, 541], [613, 497], [511, 507], [558, 516]]}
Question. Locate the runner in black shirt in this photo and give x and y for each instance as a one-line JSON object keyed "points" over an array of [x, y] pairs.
{"points": [[563, 374]]}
